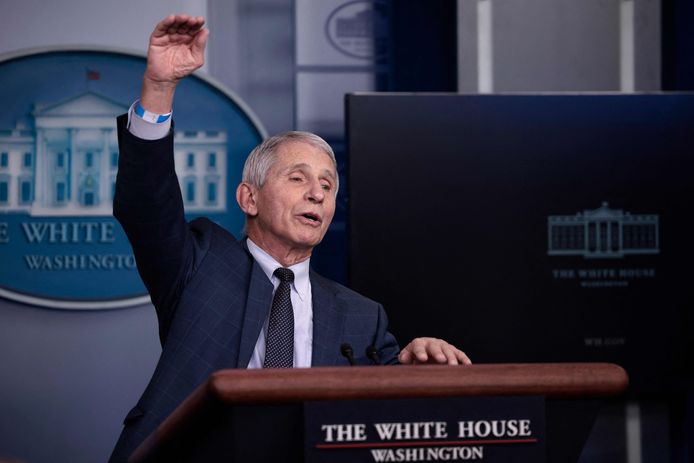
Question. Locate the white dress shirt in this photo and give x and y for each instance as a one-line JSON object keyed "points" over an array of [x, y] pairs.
{"points": [[300, 289], [301, 303]]}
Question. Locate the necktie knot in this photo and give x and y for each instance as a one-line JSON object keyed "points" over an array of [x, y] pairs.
{"points": [[284, 274]]}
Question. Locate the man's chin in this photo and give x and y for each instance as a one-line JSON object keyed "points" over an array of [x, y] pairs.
{"points": [[310, 241]]}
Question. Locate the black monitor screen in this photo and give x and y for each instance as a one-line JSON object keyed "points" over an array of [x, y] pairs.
{"points": [[529, 228]]}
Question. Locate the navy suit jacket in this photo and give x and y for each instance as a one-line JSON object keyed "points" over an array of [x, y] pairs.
{"points": [[210, 295]]}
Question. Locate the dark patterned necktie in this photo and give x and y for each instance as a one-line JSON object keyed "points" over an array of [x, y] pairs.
{"points": [[279, 345]]}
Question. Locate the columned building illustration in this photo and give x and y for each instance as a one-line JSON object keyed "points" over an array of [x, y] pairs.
{"points": [[67, 164], [201, 166], [603, 233]]}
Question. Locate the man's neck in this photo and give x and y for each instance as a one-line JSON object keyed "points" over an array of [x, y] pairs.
{"points": [[282, 254]]}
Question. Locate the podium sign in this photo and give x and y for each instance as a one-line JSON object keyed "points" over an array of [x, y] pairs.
{"points": [[489, 429], [492, 413]]}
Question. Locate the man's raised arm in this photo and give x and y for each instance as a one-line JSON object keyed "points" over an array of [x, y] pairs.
{"points": [[148, 202]]}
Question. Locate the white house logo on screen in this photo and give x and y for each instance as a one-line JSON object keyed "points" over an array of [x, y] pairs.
{"points": [[60, 246], [603, 233], [358, 29]]}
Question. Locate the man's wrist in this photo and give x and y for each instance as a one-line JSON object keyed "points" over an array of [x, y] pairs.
{"points": [[150, 116], [157, 97], [146, 128]]}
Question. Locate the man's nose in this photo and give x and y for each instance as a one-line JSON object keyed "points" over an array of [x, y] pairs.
{"points": [[316, 193]]}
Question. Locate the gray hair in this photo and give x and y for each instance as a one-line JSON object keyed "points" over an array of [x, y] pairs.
{"points": [[263, 156]]}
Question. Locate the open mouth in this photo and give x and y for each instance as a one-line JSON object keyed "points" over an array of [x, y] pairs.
{"points": [[312, 218]]}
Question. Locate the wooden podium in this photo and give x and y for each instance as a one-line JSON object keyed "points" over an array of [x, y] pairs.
{"points": [[257, 415]]}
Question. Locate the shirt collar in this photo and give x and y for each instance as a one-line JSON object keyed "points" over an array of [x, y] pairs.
{"points": [[268, 264]]}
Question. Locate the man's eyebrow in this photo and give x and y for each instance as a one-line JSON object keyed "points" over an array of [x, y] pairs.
{"points": [[303, 165], [298, 166], [329, 173]]}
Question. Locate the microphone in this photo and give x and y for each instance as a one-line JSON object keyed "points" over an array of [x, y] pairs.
{"points": [[372, 353], [347, 352]]}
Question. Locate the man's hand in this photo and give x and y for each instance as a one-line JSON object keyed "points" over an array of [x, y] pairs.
{"points": [[432, 350], [176, 49]]}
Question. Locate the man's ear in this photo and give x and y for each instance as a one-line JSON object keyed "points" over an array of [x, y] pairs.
{"points": [[245, 196]]}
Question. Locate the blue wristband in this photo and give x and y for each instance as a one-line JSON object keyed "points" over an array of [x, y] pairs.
{"points": [[150, 117]]}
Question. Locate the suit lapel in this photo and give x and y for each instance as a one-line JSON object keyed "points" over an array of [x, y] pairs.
{"points": [[327, 324], [327, 319], [257, 309]]}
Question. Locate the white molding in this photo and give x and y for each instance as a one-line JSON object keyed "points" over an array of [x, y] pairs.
{"points": [[633, 432], [627, 49], [73, 305], [485, 47]]}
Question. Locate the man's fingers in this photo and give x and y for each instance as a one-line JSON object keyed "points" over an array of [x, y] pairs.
{"points": [[163, 26], [433, 350], [420, 352], [414, 352], [437, 352], [462, 357], [195, 25], [454, 356], [198, 46], [182, 24], [189, 27], [449, 354]]}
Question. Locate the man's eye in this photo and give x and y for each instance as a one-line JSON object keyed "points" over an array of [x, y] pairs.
{"points": [[295, 179], [327, 187]]}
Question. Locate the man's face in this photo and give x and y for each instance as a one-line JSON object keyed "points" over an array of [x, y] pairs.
{"points": [[297, 202]]}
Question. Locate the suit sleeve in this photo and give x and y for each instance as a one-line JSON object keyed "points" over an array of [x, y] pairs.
{"points": [[149, 206], [384, 341]]}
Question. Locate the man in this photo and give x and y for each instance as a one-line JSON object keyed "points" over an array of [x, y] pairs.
{"points": [[222, 303]]}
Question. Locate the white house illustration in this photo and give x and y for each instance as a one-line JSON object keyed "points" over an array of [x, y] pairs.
{"points": [[360, 25], [67, 165], [603, 233]]}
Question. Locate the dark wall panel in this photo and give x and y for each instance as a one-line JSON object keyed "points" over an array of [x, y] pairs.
{"points": [[456, 209]]}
